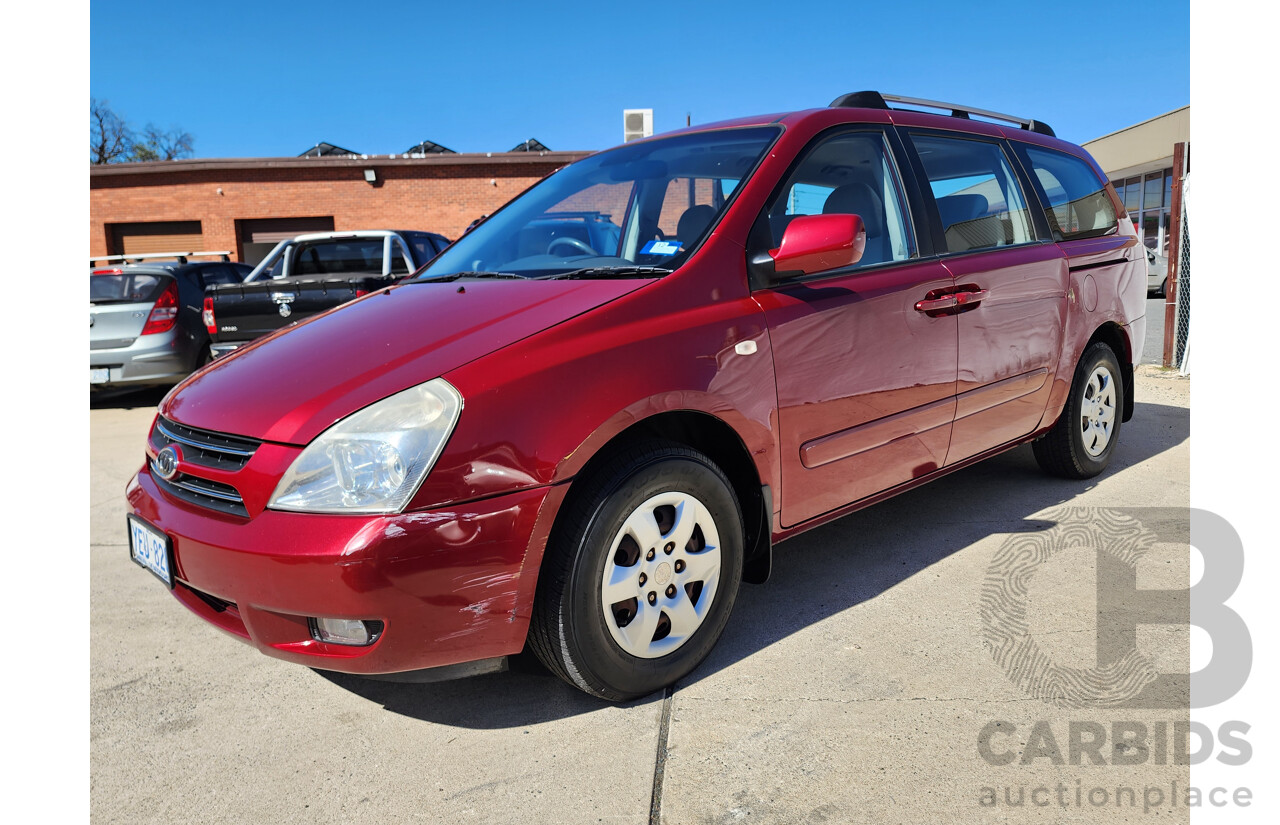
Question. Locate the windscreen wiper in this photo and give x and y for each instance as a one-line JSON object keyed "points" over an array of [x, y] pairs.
{"points": [[457, 275], [612, 272]]}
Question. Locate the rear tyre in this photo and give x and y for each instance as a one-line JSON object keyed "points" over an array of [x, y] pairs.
{"points": [[1081, 443], [640, 573]]}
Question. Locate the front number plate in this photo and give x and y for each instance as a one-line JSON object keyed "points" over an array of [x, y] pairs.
{"points": [[151, 549], [99, 375]]}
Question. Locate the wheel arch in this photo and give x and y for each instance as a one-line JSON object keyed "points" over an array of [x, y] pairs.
{"points": [[1113, 335], [720, 442]]}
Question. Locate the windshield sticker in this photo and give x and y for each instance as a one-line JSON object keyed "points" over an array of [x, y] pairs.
{"points": [[661, 247]]}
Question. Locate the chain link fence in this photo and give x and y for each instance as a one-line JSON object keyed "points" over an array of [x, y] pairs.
{"points": [[1182, 298]]}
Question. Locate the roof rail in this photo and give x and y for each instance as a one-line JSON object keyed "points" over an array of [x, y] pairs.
{"points": [[181, 256], [876, 100]]}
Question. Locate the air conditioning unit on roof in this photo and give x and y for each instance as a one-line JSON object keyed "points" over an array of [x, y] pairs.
{"points": [[636, 124]]}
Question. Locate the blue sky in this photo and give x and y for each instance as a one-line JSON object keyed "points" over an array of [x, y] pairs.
{"points": [[266, 79]]}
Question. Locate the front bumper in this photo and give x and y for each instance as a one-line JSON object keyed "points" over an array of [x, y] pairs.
{"points": [[451, 585]]}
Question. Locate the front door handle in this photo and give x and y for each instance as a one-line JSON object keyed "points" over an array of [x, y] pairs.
{"points": [[971, 297], [938, 304]]}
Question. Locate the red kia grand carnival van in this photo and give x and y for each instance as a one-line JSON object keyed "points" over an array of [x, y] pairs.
{"points": [[586, 450]]}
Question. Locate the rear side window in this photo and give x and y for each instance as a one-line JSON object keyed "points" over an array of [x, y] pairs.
{"points": [[1077, 204], [978, 197], [339, 257], [212, 275], [124, 288], [398, 254]]}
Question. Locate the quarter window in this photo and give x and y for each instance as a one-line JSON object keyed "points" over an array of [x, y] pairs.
{"points": [[848, 174], [978, 197], [1077, 202]]}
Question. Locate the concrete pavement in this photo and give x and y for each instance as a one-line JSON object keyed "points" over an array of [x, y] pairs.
{"points": [[853, 687]]}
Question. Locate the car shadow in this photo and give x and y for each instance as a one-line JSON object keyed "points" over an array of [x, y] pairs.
{"points": [[815, 575]]}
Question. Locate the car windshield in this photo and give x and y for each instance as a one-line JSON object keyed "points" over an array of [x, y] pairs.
{"points": [[639, 209]]}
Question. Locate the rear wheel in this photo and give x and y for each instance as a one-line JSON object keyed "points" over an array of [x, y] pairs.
{"points": [[641, 573], [1081, 443]]}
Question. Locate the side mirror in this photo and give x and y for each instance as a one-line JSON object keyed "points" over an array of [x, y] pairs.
{"points": [[815, 243]]}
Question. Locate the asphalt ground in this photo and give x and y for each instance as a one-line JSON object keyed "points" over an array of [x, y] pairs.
{"points": [[854, 686]]}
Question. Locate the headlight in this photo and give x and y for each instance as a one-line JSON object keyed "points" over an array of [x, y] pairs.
{"points": [[374, 460]]}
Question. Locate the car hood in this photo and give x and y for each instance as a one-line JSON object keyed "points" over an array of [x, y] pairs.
{"points": [[290, 386]]}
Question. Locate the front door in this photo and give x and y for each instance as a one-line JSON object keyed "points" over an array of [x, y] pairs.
{"points": [[865, 381]]}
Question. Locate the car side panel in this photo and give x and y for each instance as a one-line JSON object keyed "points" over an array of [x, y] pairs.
{"points": [[866, 383], [1009, 344], [1107, 286], [581, 383]]}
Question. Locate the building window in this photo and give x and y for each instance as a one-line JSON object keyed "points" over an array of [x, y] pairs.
{"points": [[1147, 199]]}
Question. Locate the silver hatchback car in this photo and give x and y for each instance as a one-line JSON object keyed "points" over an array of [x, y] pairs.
{"points": [[1157, 274], [145, 328]]}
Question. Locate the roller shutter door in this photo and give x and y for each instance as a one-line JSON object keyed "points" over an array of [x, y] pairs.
{"points": [[158, 236], [258, 237]]}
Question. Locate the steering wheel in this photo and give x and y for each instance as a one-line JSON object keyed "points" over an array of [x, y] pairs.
{"points": [[572, 242]]}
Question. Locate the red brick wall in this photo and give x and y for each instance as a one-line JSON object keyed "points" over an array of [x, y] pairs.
{"points": [[436, 198]]}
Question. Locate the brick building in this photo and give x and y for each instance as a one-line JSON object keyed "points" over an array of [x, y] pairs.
{"points": [[246, 204]]}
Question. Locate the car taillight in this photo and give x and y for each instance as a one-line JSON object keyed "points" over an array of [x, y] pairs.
{"points": [[210, 323], [165, 312], [107, 272], [360, 293]]}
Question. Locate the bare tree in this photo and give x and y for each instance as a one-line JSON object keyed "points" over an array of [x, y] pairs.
{"points": [[158, 145], [110, 140]]}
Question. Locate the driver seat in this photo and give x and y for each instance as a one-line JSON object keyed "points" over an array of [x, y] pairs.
{"points": [[693, 223]]}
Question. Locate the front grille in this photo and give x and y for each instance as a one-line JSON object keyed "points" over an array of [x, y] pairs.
{"points": [[201, 491], [221, 452]]}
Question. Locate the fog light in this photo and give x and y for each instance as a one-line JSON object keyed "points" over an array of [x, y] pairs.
{"points": [[346, 631]]}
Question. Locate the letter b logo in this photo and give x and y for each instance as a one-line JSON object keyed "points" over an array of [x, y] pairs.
{"points": [[1123, 676]]}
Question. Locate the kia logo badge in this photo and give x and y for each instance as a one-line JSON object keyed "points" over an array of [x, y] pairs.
{"points": [[166, 463]]}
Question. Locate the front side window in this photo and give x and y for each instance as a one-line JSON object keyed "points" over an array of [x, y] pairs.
{"points": [[1076, 200], [644, 204], [848, 174], [979, 201], [422, 245]]}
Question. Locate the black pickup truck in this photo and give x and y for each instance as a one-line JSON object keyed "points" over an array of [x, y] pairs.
{"points": [[310, 274]]}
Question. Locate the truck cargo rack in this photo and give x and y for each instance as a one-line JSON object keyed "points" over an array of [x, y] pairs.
{"points": [[143, 256], [876, 100]]}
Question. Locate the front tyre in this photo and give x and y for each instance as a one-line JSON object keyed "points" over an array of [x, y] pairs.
{"points": [[1081, 443], [640, 574]]}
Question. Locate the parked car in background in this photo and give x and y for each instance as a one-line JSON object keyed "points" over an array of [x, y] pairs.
{"points": [[1157, 274], [310, 274], [585, 451], [145, 327]]}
